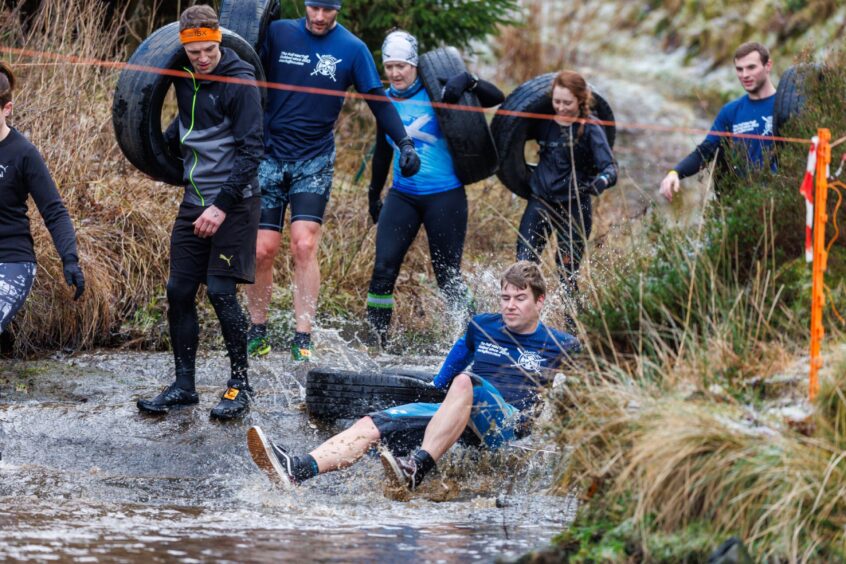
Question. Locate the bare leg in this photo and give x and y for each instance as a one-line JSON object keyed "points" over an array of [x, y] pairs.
{"points": [[258, 294], [346, 447], [449, 421], [305, 238]]}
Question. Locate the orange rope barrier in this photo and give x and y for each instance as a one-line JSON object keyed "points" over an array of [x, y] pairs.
{"points": [[117, 65]]}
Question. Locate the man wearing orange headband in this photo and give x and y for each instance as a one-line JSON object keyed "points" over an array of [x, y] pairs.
{"points": [[218, 133]]}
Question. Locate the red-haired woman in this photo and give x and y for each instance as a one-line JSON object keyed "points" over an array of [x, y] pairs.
{"points": [[23, 174], [575, 164]]}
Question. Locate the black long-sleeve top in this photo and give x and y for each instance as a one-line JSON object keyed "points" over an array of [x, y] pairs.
{"points": [[562, 151], [23, 174]]}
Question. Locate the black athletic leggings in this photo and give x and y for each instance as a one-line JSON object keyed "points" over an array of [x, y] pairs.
{"points": [[571, 221], [185, 328], [444, 215]]}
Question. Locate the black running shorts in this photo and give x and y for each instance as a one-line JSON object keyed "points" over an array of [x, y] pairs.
{"points": [[231, 252]]}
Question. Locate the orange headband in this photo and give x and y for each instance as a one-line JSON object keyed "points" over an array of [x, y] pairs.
{"points": [[200, 34]]}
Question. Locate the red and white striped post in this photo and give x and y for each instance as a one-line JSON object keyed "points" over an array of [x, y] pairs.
{"points": [[807, 190]]}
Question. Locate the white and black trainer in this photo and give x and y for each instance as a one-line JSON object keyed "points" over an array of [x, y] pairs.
{"points": [[271, 459], [401, 471]]}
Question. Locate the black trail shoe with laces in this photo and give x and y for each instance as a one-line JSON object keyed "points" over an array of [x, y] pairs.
{"points": [[235, 401], [401, 471], [172, 396], [271, 459]]}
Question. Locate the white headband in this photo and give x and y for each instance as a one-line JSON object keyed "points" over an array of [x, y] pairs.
{"points": [[400, 46]]}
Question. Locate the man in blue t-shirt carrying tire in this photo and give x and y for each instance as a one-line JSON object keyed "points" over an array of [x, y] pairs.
{"points": [[493, 374], [318, 60], [752, 114]]}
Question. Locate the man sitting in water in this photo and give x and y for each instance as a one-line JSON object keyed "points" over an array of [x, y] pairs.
{"points": [[510, 355]]}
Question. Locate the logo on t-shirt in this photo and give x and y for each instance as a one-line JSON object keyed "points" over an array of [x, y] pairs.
{"points": [[768, 125], [326, 66], [745, 126], [530, 361], [492, 349], [293, 58], [3, 170], [415, 130]]}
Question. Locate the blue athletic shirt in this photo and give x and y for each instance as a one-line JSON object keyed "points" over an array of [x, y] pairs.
{"points": [[437, 173], [754, 117], [517, 365], [299, 125]]}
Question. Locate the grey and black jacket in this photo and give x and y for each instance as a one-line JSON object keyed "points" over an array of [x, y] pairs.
{"points": [[218, 134], [561, 151]]}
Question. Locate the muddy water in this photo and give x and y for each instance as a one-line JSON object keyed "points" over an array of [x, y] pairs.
{"points": [[85, 477]]}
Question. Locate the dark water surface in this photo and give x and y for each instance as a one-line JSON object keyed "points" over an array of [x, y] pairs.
{"points": [[84, 477]]}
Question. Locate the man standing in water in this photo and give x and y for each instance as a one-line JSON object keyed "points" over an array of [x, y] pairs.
{"points": [[510, 355], [299, 160], [218, 133], [751, 114]]}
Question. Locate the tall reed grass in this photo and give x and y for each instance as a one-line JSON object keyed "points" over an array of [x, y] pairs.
{"points": [[690, 409]]}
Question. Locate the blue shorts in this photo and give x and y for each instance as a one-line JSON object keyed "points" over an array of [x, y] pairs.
{"points": [[493, 422], [305, 185], [15, 283]]}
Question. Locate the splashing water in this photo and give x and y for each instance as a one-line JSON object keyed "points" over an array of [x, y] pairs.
{"points": [[86, 476]]}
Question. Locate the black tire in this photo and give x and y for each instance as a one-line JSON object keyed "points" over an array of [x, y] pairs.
{"points": [[341, 394], [140, 94], [790, 95], [510, 132], [249, 18], [467, 133]]}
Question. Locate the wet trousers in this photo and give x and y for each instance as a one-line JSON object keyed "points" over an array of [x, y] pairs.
{"points": [[185, 327], [444, 216], [571, 220]]}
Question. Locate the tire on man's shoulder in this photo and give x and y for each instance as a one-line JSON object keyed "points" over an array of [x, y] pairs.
{"points": [[510, 133], [792, 92], [466, 131], [140, 94], [342, 394], [249, 18]]}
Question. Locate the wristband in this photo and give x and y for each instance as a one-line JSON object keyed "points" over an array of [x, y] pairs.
{"points": [[673, 172]]}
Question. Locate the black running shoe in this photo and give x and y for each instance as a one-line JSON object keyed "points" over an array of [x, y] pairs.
{"points": [[235, 401], [273, 460], [172, 396], [401, 471]]}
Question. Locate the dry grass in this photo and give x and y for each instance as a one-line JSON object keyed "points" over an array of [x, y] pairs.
{"points": [[120, 216], [688, 458]]}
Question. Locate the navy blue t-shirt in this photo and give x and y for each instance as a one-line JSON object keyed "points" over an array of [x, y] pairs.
{"points": [[743, 115], [517, 365], [299, 125], [753, 117]]}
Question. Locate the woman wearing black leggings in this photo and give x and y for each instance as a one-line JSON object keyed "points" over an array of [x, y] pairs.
{"points": [[575, 164], [24, 174], [433, 198]]}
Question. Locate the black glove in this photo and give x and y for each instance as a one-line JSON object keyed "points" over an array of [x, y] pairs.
{"points": [[599, 184], [409, 162], [374, 205], [456, 86], [74, 277]]}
